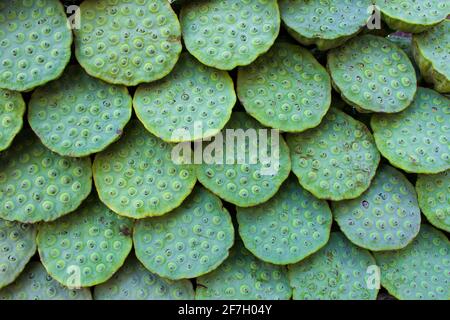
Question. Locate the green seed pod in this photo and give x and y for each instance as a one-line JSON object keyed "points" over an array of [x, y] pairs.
{"points": [[385, 217], [416, 139], [327, 24], [338, 271], [17, 246], [87, 247], [193, 97], [127, 42], [373, 74], [243, 277], [286, 88], [134, 282], [36, 284], [78, 115], [12, 108], [230, 33], [336, 160], [39, 185], [188, 242], [419, 271]]}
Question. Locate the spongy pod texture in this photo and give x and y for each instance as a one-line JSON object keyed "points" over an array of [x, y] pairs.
{"points": [[134, 282], [35, 43], [419, 271], [246, 163], [431, 51], [338, 271], [327, 24], [373, 74], [416, 139], [336, 160], [138, 177], [87, 247], [229, 33], [290, 226], [244, 277], [413, 15], [39, 185], [286, 88], [12, 108], [78, 115], [36, 284], [433, 191], [188, 242], [127, 41], [385, 217], [17, 246], [193, 102]]}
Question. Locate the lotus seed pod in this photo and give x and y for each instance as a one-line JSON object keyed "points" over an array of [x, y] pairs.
{"points": [[385, 217], [338, 271], [336, 160], [229, 33], [373, 74], [36, 284], [127, 42], [416, 139], [87, 247], [419, 271], [78, 115], [35, 43], [134, 282], [137, 176], [433, 191], [39, 185], [287, 228], [12, 108], [188, 242], [243, 277], [404, 41], [17, 246], [432, 53], [193, 102], [249, 163], [327, 24], [286, 88], [413, 15]]}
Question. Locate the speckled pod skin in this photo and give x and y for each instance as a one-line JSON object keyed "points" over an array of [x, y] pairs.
{"points": [[385, 217], [413, 16], [324, 24], [127, 42], [286, 88], [431, 51], [137, 178], [78, 115], [192, 97], [336, 160], [336, 272], [36, 284], [12, 108], [404, 42], [87, 247], [419, 271], [17, 246], [134, 282], [230, 33], [35, 43], [416, 139], [433, 191], [287, 228], [243, 277], [373, 74], [188, 242], [39, 185]]}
